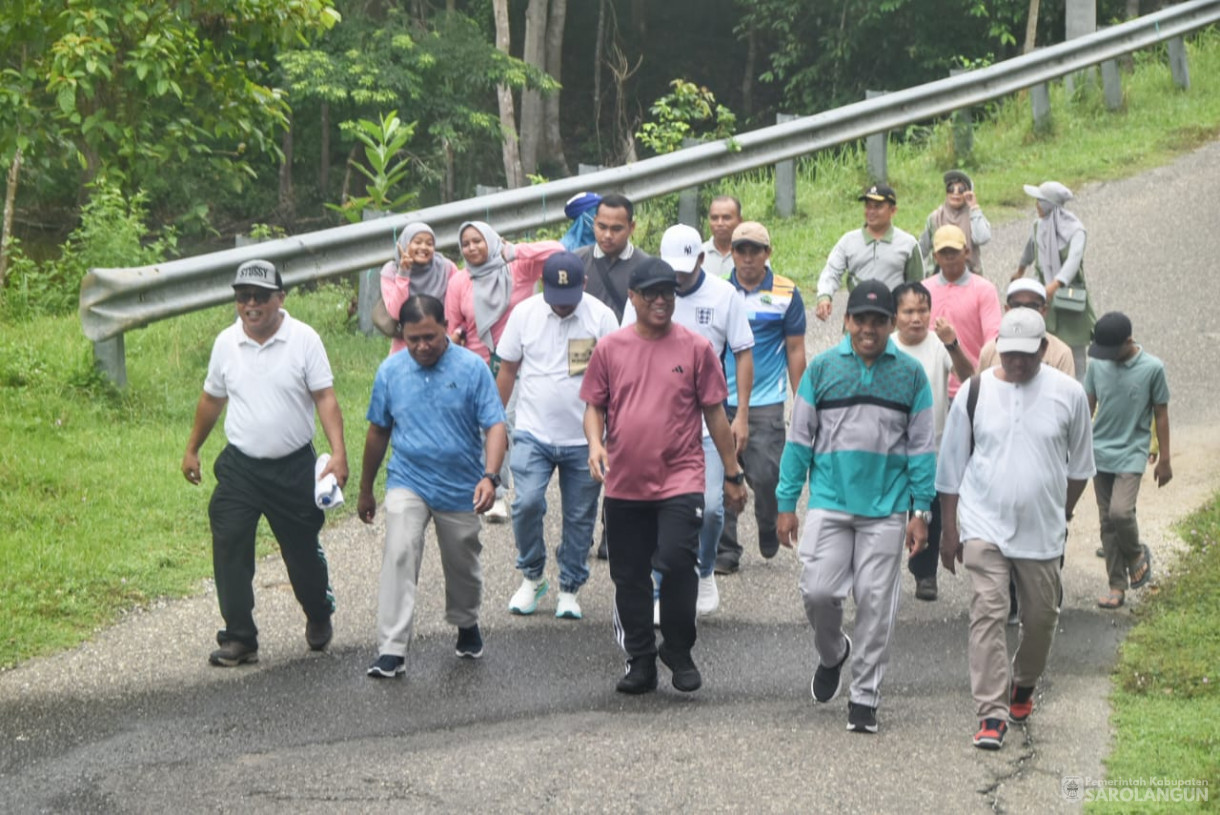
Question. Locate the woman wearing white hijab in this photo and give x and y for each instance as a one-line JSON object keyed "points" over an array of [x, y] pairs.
{"points": [[1056, 250], [420, 269], [498, 276]]}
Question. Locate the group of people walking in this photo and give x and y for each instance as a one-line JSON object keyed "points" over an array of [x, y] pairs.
{"points": [[941, 424]]}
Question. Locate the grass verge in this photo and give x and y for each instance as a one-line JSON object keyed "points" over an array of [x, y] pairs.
{"points": [[95, 517], [1166, 698]]}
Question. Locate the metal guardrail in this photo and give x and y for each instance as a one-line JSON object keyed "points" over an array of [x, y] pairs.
{"points": [[114, 301]]}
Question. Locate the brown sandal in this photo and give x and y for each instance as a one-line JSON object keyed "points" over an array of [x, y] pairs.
{"points": [[1142, 572], [1113, 600]]}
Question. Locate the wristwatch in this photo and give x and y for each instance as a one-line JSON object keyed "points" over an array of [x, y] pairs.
{"points": [[952, 346], [738, 479], [923, 515], [494, 478]]}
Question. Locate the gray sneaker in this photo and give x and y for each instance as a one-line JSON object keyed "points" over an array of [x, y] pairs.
{"points": [[232, 654]]}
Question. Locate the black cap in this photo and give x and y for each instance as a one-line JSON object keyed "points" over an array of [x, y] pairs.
{"points": [[1110, 335], [563, 279], [652, 272], [871, 295], [879, 192]]}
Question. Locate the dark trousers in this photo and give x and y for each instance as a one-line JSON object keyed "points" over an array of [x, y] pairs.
{"points": [[924, 564], [661, 535], [760, 461], [282, 490]]}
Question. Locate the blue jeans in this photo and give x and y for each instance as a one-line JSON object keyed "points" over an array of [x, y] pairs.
{"points": [[532, 463], [713, 511]]}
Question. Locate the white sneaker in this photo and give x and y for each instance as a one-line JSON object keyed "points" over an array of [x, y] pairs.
{"points": [[525, 600], [656, 613], [498, 513], [567, 608], [709, 596]]}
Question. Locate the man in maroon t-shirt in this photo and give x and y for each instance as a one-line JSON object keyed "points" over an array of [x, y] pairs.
{"points": [[648, 388]]}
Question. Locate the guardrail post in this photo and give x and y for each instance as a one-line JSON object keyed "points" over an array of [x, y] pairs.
{"points": [[1112, 84], [368, 288], [963, 127], [110, 357], [878, 170], [1040, 101], [1080, 20], [785, 179], [1177, 63], [688, 199]]}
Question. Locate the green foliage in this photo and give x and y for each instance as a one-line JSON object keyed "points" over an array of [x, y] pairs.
{"points": [[687, 112], [1167, 700], [384, 141], [112, 233]]}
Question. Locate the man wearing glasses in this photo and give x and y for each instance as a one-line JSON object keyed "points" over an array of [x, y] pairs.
{"points": [[1025, 292], [272, 372], [962, 210], [648, 389]]}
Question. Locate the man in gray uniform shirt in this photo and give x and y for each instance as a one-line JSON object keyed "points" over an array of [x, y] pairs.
{"points": [[877, 251]]}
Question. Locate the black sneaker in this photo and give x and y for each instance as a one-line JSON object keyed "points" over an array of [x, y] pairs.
{"points": [[686, 676], [827, 680], [318, 634], [469, 642], [232, 654], [641, 676], [388, 666], [861, 718]]}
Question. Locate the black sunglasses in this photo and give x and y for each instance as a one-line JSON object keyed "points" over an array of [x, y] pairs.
{"points": [[259, 296]]}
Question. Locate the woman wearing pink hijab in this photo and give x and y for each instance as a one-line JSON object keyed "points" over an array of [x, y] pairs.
{"points": [[420, 269]]}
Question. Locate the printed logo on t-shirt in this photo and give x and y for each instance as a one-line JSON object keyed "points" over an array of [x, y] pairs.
{"points": [[579, 354], [704, 315], [677, 369]]}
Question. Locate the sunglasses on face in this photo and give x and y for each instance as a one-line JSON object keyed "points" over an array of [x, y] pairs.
{"points": [[659, 293], [956, 188], [259, 296]]}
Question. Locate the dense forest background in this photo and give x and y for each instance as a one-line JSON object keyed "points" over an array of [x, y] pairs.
{"points": [[199, 119]]}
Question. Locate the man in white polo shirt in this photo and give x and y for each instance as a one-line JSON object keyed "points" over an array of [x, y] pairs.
{"points": [[709, 306], [271, 371], [547, 343], [1010, 472]]}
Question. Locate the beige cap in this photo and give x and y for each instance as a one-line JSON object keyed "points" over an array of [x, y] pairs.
{"points": [[948, 237], [751, 232]]}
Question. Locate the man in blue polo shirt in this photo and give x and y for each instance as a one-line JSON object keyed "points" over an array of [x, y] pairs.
{"points": [[439, 407], [777, 319]]}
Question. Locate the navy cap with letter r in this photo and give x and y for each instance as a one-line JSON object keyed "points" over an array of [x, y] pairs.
{"points": [[563, 279]]}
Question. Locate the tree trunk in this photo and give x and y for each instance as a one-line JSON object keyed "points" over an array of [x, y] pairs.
{"points": [[449, 184], [1031, 28], [597, 74], [10, 204], [533, 53], [747, 79], [287, 205], [324, 162], [553, 138], [513, 176]]}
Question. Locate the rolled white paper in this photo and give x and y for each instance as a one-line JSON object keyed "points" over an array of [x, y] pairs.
{"points": [[326, 493]]}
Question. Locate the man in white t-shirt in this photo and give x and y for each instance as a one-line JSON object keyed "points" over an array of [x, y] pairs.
{"points": [[1010, 472], [268, 373], [547, 343], [940, 353], [709, 306]]}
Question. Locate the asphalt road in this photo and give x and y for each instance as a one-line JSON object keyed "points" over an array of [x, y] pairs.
{"points": [[136, 721]]}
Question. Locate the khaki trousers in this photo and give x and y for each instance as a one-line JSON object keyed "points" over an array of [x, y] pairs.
{"points": [[1120, 532], [457, 533], [1037, 582]]}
